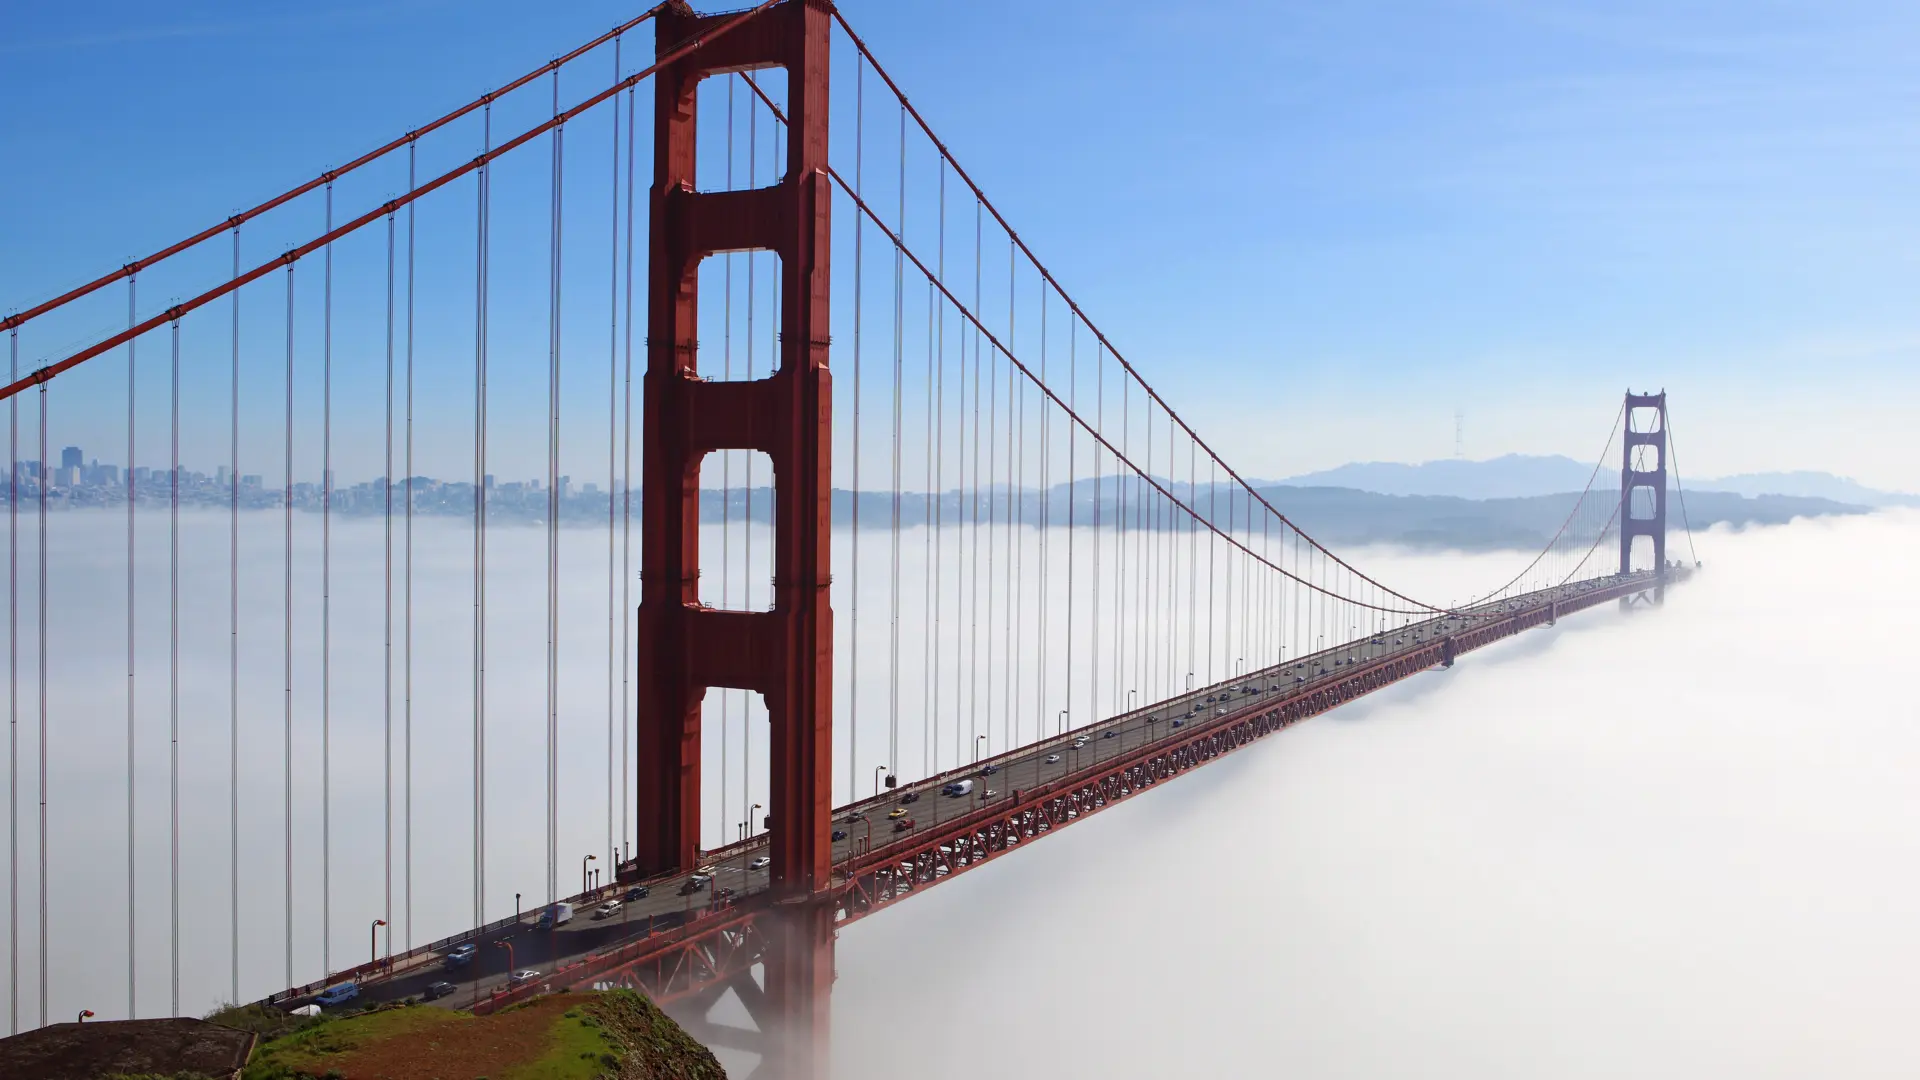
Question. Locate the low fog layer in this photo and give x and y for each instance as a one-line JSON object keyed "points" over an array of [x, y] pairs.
{"points": [[1666, 844]]}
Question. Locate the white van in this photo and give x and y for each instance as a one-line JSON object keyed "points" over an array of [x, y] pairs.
{"points": [[957, 789], [557, 915]]}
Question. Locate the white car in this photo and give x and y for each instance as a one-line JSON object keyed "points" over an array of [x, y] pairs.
{"points": [[1053, 759], [607, 910], [524, 975], [760, 862]]}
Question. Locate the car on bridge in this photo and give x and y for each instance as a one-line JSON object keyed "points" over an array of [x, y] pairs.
{"points": [[460, 955], [337, 994], [903, 825], [760, 862], [1053, 759], [989, 769], [437, 990], [910, 797], [638, 892], [839, 834], [607, 910], [523, 976], [896, 813]]}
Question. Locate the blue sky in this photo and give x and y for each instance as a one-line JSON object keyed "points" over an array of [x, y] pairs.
{"points": [[1319, 230]]}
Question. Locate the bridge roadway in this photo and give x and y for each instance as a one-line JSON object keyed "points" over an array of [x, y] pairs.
{"points": [[865, 828]]}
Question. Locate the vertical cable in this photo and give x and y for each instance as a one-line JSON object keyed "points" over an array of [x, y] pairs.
{"points": [[13, 687], [613, 422], [406, 588], [899, 350], [936, 539], [233, 647], [1100, 411], [173, 679], [326, 605], [286, 638], [133, 500], [1073, 401], [973, 628], [726, 468], [626, 499], [45, 960], [1040, 531], [1009, 642], [859, 237], [553, 519], [386, 697], [481, 209]]}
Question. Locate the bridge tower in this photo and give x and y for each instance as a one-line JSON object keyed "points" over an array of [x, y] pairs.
{"points": [[1649, 471], [785, 654]]}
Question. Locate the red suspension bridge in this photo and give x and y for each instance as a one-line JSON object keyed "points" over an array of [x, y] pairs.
{"points": [[1054, 593]]}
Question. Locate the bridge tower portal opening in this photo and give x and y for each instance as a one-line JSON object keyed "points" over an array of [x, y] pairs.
{"points": [[785, 654], [1643, 485]]}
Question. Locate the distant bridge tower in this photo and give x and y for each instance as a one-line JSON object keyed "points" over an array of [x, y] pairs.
{"points": [[786, 654], [1645, 469]]}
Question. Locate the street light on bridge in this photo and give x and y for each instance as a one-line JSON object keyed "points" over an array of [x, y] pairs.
{"points": [[756, 806], [583, 872], [877, 770], [373, 940], [977, 740]]}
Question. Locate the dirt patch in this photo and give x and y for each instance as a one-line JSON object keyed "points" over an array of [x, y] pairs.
{"points": [[179, 1046]]}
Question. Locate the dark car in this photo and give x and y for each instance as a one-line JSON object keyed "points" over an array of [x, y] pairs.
{"points": [[910, 797], [638, 892], [724, 894], [989, 770], [438, 990], [692, 885], [839, 834]]}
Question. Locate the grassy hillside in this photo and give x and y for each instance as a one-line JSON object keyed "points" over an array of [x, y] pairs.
{"points": [[616, 1035]]}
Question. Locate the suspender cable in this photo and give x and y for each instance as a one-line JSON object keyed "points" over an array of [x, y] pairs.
{"points": [[927, 594], [613, 449], [899, 435], [1046, 522], [1011, 641], [406, 574], [859, 237], [1680, 490], [553, 518], [233, 649], [286, 639], [1073, 383], [973, 629], [326, 604], [626, 503], [13, 691], [386, 697], [1099, 538], [937, 538], [173, 682], [42, 653], [726, 469], [133, 501], [481, 214]]}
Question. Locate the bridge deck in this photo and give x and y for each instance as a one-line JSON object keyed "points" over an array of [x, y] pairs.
{"points": [[672, 941]]}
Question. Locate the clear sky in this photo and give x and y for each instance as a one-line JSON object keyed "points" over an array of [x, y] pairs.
{"points": [[1320, 229]]}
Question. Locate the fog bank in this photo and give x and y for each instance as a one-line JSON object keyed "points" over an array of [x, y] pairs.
{"points": [[1665, 844]]}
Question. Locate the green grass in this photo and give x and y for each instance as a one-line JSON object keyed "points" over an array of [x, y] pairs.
{"points": [[307, 1051], [580, 1050]]}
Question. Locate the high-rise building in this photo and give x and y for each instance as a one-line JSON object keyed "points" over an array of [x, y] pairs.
{"points": [[71, 458]]}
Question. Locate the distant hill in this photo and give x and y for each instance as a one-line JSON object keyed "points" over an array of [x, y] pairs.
{"points": [[1515, 476], [1332, 514], [1818, 485], [1510, 476]]}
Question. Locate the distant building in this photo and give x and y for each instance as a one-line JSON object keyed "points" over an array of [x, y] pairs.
{"points": [[72, 458]]}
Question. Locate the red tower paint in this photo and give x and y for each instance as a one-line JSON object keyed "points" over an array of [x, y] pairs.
{"points": [[786, 654]]}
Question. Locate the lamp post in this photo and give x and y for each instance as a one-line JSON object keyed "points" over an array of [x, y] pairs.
{"points": [[373, 940], [977, 740], [82, 1018], [516, 908], [1189, 682], [877, 771], [583, 872], [1063, 723], [750, 815]]}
